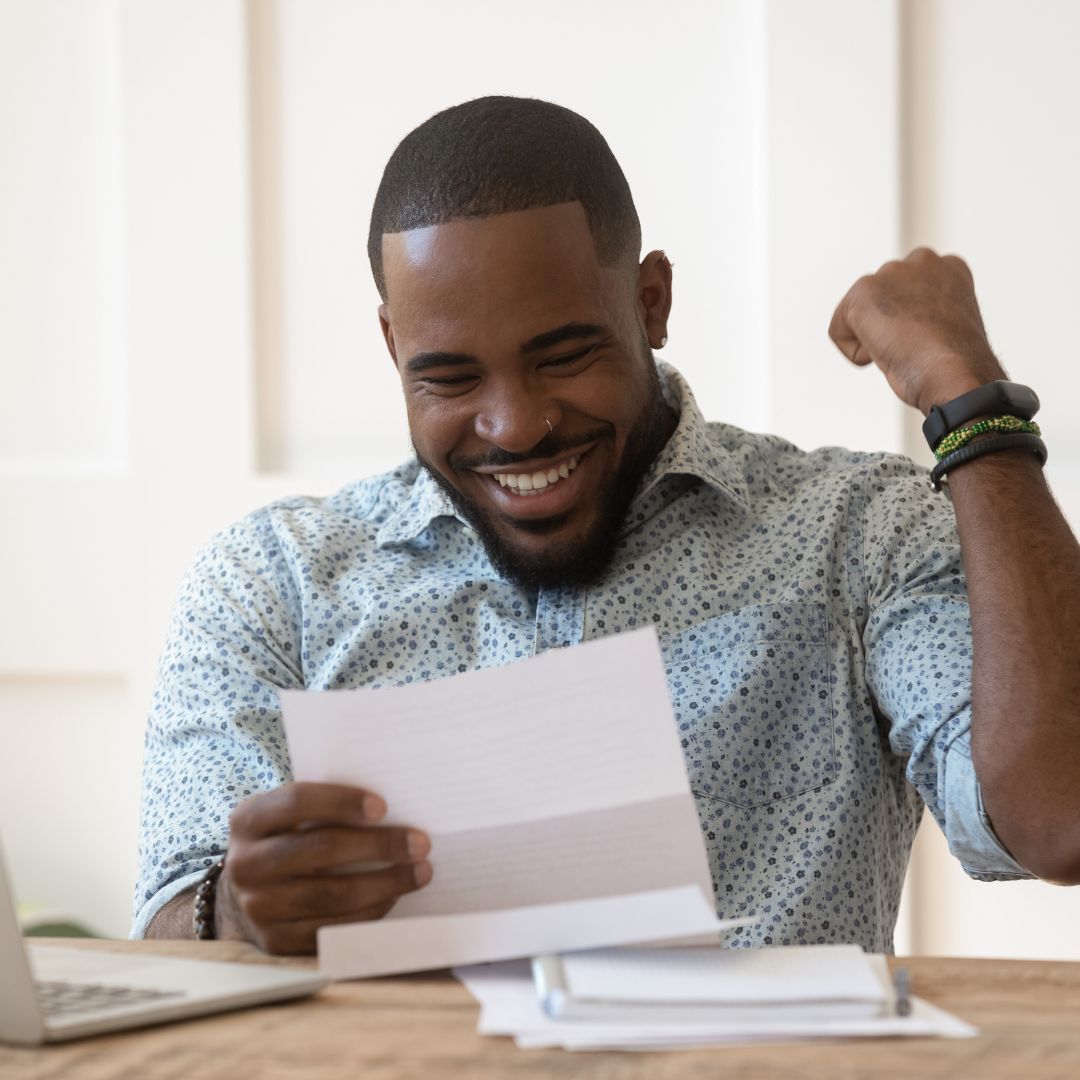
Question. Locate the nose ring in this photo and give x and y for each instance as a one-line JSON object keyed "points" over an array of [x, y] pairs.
{"points": [[550, 428]]}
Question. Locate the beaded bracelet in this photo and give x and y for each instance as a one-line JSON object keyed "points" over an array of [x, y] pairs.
{"points": [[1014, 441], [962, 436], [203, 915]]}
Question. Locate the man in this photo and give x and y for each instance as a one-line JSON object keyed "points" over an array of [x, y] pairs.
{"points": [[830, 667]]}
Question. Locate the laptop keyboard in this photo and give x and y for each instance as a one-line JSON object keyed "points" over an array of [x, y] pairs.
{"points": [[65, 998]]}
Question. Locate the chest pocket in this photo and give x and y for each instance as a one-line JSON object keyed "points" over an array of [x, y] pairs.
{"points": [[753, 700]]}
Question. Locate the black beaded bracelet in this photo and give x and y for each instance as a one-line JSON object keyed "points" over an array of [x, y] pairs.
{"points": [[986, 446], [203, 920]]}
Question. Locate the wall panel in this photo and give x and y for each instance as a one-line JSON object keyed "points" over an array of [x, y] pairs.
{"points": [[994, 166], [832, 210], [991, 164], [65, 573], [69, 788], [678, 99], [62, 362]]}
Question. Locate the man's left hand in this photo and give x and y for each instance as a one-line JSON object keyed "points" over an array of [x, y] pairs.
{"points": [[919, 321]]}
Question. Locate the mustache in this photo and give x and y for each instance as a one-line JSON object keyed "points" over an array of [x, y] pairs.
{"points": [[549, 446]]}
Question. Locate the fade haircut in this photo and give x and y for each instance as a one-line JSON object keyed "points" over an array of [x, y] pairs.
{"points": [[494, 155]]}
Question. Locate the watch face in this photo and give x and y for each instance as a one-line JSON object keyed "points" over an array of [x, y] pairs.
{"points": [[1022, 399]]}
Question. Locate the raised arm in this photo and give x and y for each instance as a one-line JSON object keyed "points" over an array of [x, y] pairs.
{"points": [[919, 322]]}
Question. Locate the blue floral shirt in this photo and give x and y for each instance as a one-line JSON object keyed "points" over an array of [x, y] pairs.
{"points": [[812, 612]]}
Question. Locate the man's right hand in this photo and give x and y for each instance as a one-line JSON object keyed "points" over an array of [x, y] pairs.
{"points": [[292, 865]]}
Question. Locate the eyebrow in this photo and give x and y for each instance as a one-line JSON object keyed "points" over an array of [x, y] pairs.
{"points": [[573, 331]]}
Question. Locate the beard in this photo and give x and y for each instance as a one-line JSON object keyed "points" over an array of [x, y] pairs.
{"points": [[580, 560]]}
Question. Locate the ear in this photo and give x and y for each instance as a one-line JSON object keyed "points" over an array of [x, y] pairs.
{"points": [[654, 297], [387, 332]]}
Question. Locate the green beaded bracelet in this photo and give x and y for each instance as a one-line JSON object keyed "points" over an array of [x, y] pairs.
{"points": [[1007, 425]]}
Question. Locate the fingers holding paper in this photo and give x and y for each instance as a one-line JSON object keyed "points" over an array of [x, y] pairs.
{"points": [[305, 855]]}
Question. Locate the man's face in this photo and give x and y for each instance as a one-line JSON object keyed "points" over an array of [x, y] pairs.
{"points": [[500, 326]]}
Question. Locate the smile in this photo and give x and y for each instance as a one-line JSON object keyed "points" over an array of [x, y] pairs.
{"points": [[535, 482]]}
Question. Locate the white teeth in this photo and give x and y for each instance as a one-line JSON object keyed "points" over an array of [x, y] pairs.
{"points": [[529, 482]]}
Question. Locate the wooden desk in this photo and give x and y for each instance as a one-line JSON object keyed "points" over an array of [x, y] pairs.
{"points": [[423, 1027]]}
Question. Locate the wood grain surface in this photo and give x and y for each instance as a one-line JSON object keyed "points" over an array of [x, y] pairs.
{"points": [[423, 1027]]}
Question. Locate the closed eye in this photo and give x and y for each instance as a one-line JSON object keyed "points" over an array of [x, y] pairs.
{"points": [[449, 380], [562, 361], [456, 382]]}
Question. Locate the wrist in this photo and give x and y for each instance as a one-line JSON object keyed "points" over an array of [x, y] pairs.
{"points": [[941, 393], [228, 921], [992, 474], [957, 375]]}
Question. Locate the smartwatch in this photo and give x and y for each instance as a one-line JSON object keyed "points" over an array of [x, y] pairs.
{"points": [[998, 398]]}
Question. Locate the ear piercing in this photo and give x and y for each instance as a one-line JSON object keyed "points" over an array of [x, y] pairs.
{"points": [[548, 422], [663, 342]]}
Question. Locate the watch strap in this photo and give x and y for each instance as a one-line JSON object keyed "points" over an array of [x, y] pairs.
{"points": [[996, 398]]}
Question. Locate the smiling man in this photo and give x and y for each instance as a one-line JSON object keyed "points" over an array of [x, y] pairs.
{"points": [[843, 645], [539, 433]]}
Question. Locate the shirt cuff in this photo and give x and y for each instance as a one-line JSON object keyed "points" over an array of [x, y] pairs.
{"points": [[160, 899], [967, 826]]}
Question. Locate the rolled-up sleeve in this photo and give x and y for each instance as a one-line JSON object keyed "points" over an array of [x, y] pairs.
{"points": [[918, 647], [214, 733], [968, 828]]}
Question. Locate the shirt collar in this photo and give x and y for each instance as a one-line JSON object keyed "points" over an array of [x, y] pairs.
{"points": [[425, 502], [691, 451]]}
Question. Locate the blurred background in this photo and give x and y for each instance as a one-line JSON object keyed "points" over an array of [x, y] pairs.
{"points": [[188, 326]]}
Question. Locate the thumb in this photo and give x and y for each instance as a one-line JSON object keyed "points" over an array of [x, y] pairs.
{"points": [[844, 336]]}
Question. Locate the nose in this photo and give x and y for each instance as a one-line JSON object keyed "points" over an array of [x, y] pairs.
{"points": [[515, 420]]}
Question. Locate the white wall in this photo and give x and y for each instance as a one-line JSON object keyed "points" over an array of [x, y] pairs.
{"points": [[63, 451], [184, 194], [992, 169], [335, 101], [61, 284]]}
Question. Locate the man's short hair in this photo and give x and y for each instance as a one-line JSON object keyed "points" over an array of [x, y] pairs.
{"points": [[494, 155]]}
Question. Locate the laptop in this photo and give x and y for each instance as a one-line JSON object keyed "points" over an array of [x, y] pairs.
{"points": [[52, 994]]}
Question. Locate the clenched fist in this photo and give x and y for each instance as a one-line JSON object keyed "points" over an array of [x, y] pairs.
{"points": [[919, 321]]}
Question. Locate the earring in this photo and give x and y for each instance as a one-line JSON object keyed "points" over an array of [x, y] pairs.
{"points": [[663, 342]]}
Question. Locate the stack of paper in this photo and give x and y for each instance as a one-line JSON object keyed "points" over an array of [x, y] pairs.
{"points": [[651, 999], [555, 794]]}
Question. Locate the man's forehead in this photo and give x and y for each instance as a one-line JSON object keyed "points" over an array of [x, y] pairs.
{"points": [[521, 246]]}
